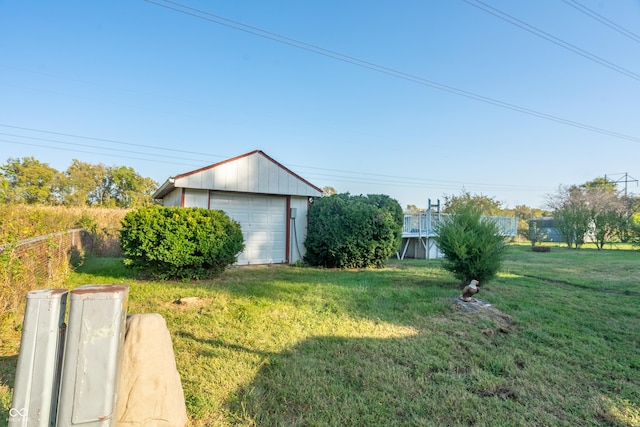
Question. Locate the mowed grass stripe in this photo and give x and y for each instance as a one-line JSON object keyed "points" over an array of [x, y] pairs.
{"points": [[283, 345]]}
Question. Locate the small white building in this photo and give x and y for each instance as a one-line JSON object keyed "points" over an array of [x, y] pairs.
{"points": [[268, 200]]}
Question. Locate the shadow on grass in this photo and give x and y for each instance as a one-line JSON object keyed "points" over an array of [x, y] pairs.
{"points": [[223, 344], [7, 378], [102, 266], [330, 380], [8, 369], [395, 295], [426, 379]]}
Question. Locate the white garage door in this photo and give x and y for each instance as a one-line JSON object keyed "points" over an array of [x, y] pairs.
{"points": [[263, 221]]}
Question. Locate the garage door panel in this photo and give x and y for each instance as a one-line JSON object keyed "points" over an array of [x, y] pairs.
{"points": [[242, 218], [277, 238], [263, 221], [259, 237], [260, 219]]}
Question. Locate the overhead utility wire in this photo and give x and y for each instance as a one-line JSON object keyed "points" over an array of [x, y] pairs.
{"points": [[451, 186], [107, 140], [368, 181], [384, 70], [609, 23], [166, 149], [551, 38], [119, 150], [365, 178], [420, 181], [75, 150]]}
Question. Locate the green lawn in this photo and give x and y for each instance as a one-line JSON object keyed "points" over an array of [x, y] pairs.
{"points": [[282, 345]]}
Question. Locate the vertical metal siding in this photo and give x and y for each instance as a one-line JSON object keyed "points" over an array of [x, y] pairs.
{"points": [[196, 198], [298, 228], [251, 174], [173, 198]]}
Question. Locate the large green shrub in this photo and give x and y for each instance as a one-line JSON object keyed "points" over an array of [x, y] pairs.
{"points": [[472, 245], [186, 243], [353, 231]]}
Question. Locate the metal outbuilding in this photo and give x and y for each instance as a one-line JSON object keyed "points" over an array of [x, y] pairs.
{"points": [[268, 200]]}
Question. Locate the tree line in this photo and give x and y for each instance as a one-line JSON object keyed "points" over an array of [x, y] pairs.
{"points": [[594, 211], [30, 181]]}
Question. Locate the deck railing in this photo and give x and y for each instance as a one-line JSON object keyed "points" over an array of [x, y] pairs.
{"points": [[423, 224]]}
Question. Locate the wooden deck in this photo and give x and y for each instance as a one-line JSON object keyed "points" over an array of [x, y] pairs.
{"points": [[423, 224], [419, 230]]}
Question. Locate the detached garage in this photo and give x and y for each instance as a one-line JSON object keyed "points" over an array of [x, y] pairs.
{"points": [[268, 200]]}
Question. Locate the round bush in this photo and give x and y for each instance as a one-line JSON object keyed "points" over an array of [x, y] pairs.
{"points": [[353, 231], [183, 243]]}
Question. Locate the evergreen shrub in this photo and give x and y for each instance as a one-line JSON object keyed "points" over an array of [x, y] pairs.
{"points": [[182, 243], [353, 231], [472, 245]]}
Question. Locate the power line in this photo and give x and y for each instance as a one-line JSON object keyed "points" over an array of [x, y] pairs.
{"points": [[75, 150], [219, 20], [111, 141], [609, 23], [453, 187], [393, 179], [553, 39], [98, 147], [352, 176]]}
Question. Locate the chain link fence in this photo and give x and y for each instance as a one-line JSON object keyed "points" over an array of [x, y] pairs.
{"points": [[45, 262]]}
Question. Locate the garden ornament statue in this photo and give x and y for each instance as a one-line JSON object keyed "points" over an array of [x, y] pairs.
{"points": [[470, 290]]}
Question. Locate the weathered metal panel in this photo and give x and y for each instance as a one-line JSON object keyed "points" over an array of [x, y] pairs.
{"points": [[35, 394], [274, 178], [173, 199], [93, 356], [298, 228], [194, 198], [231, 176], [263, 179], [254, 173]]}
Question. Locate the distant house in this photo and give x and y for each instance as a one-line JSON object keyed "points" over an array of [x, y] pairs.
{"points": [[547, 232], [268, 200]]}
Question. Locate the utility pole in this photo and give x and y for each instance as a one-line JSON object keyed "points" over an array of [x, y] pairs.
{"points": [[624, 177]]}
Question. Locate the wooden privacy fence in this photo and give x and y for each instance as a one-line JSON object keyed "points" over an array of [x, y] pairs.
{"points": [[44, 262]]}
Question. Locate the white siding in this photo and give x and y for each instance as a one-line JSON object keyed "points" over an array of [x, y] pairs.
{"points": [[253, 189], [173, 199], [196, 198], [298, 228], [254, 173]]}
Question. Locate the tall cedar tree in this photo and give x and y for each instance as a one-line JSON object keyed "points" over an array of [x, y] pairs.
{"points": [[472, 245]]}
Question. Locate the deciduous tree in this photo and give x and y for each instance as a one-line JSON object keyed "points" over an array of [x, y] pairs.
{"points": [[31, 181], [487, 205], [571, 214], [328, 191], [83, 183], [594, 209]]}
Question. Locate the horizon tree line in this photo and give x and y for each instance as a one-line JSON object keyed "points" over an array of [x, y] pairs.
{"points": [[30, 181]]}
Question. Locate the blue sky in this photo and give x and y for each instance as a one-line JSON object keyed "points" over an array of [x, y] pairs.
{"points": [[359, 106]]}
